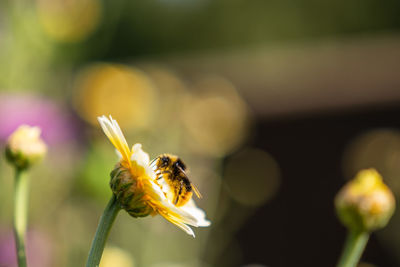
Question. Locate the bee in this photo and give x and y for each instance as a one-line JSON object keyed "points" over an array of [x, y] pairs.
{"points": [[172, 170]]}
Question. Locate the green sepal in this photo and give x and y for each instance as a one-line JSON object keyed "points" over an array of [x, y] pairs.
{"points": [[123, 185]]}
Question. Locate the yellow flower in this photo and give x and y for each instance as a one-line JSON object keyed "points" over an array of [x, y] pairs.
{"points": [[134, 183], [25, 147], [365, 203]]}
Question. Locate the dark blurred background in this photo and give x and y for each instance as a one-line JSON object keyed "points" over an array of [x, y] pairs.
{"points": [[272, 104]]}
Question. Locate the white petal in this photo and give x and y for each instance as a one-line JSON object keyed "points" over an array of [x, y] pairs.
{"points": [[175, 212], [106, 126], [191, 208], [118, 131], [180, 214], [138, 155], [114, 134], [178, 223], [142, 159]]}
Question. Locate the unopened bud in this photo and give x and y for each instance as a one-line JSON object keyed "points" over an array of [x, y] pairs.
{"points": [[128, 193], [365, 203], [25, 147]]}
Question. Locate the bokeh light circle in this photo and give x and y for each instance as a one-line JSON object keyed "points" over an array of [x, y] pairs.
{"points": [[379, 149], [69, 21], [124, 92], [114, 256], [252, 176], [171, 91], [215, 117]]}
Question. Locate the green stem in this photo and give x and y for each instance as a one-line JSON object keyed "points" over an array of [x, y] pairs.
{"points": [[103, 229], [20, 213], [353, 249]]}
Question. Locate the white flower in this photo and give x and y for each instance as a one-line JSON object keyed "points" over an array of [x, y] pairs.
{"points": [[25, 147], [138, 163]]}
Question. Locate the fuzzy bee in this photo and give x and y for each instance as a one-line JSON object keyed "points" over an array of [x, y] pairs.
{"points": [[171, 171]]}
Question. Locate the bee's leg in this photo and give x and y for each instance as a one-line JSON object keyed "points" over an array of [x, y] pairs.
{"points": [[160, 174], [179, 192], [176, 200]]}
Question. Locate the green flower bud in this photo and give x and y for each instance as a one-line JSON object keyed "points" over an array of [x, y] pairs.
{"points": [[365, 203], [128, 192], [25, 147]]}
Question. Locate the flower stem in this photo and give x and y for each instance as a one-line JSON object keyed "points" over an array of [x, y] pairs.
{"points": [[353, 249], [103, 229], [20, 213]]}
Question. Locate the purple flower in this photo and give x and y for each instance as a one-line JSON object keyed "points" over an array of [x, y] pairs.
{"points": [[38, 249], [16, 109]]}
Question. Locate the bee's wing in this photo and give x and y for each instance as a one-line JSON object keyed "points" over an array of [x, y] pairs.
{"points": [[196, 191]]}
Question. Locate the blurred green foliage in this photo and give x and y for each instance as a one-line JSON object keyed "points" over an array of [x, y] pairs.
{"points": [[70, 189]]}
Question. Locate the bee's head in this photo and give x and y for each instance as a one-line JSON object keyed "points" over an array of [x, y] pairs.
{"points": [[164, 161]]}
